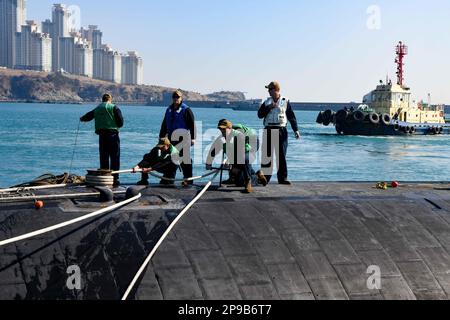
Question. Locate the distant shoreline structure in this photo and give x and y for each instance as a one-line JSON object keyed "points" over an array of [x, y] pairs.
{"points": [[299, 106], [20, 86]]}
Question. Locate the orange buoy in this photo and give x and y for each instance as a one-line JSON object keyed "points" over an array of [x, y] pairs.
{"points": [[395, 184], [38, 204]]}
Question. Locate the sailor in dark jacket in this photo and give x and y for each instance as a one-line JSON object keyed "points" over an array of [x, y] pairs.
{"points": [[160, 159], [108, 121], [179, 126], [277, 112]]}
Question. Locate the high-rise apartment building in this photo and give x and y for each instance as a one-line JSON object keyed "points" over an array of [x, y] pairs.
{"points": [[33, 49], [60, 29], [66, 54], [94, 35], [12, 17], [52, 46], [47, 27], [83, 59], [132, 68]]}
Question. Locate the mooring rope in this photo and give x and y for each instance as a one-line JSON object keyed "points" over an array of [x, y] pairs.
{"points": [[166, 233], [182, 180], [31, 196], [170, 179], [22, 189], [70, 222], [75, 147]]}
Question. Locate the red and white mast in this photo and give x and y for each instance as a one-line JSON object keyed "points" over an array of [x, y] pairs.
{"points": [[401, 51]]}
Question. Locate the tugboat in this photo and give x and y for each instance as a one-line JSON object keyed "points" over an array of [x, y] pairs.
{"points": [[388, 111]]}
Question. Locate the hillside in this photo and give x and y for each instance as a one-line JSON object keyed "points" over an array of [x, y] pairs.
{"points": [[33, 86]]}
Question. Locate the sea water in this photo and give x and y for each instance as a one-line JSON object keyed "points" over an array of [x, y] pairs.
{"points": [[40, 138]]}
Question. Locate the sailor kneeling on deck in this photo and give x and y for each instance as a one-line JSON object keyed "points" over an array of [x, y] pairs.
{"points": [[240, 144], [160, 159]]}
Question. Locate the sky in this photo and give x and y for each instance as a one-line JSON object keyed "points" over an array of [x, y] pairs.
{"points": [[320, 51]]}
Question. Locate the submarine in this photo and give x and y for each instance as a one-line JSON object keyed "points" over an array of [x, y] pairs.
{"points": [[309, 241]]}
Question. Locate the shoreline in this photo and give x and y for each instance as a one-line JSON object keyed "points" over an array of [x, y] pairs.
{"points": [[298, 106]]}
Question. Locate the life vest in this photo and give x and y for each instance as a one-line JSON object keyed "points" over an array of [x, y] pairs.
{"points": [[176, 120], [277, 116], [104, 117]]}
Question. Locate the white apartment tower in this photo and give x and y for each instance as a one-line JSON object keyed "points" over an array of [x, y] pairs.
{"points": [[47, 27], [107, 64], [66, 54], [83, 59], [132, 69], [98, 63], [93, 35], [112, 66], [33, 49], [12, 17], [60, 29]]}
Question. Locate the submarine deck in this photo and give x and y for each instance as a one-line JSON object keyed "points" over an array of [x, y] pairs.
{"points": [[308, 241]]}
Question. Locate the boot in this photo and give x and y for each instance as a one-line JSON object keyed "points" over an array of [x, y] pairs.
{"points": [[248, 187], [261, 178], [187, 184]]}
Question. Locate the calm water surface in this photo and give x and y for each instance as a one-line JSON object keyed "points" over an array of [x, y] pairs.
{"points": [[38, 138]]}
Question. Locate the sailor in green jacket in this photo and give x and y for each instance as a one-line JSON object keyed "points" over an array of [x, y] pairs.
{"points": [[160, 159], [240, 144], [108, 121]]}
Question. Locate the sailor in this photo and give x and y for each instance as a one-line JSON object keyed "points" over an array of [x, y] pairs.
{"points": [[108, 121], [160, 159], [179, 127], [239, 143], [276, 112]]}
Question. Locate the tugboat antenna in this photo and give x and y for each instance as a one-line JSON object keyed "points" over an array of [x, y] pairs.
{"points": [[402, 51]]}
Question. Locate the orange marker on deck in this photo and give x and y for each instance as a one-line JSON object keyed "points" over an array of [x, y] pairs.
{"points": [[38, 204]]}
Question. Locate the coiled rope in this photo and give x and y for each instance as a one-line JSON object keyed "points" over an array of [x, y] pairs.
{"points": [[71, 222]]}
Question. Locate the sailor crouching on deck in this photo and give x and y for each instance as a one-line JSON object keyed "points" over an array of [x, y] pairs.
{"points": [[108, 121], [239, 144], [160, 159], [276, 112]]}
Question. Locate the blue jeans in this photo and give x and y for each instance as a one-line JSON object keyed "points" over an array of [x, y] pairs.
{"points": [[246, 172]]}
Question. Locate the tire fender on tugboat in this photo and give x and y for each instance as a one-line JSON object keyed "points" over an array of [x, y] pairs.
{"points": [[386, 119], [359, 116], [374, 118]]}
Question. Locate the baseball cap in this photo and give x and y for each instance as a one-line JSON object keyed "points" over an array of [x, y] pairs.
{"points": [[177, 94], [163, 142], [273, 85], [225, 124]]}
